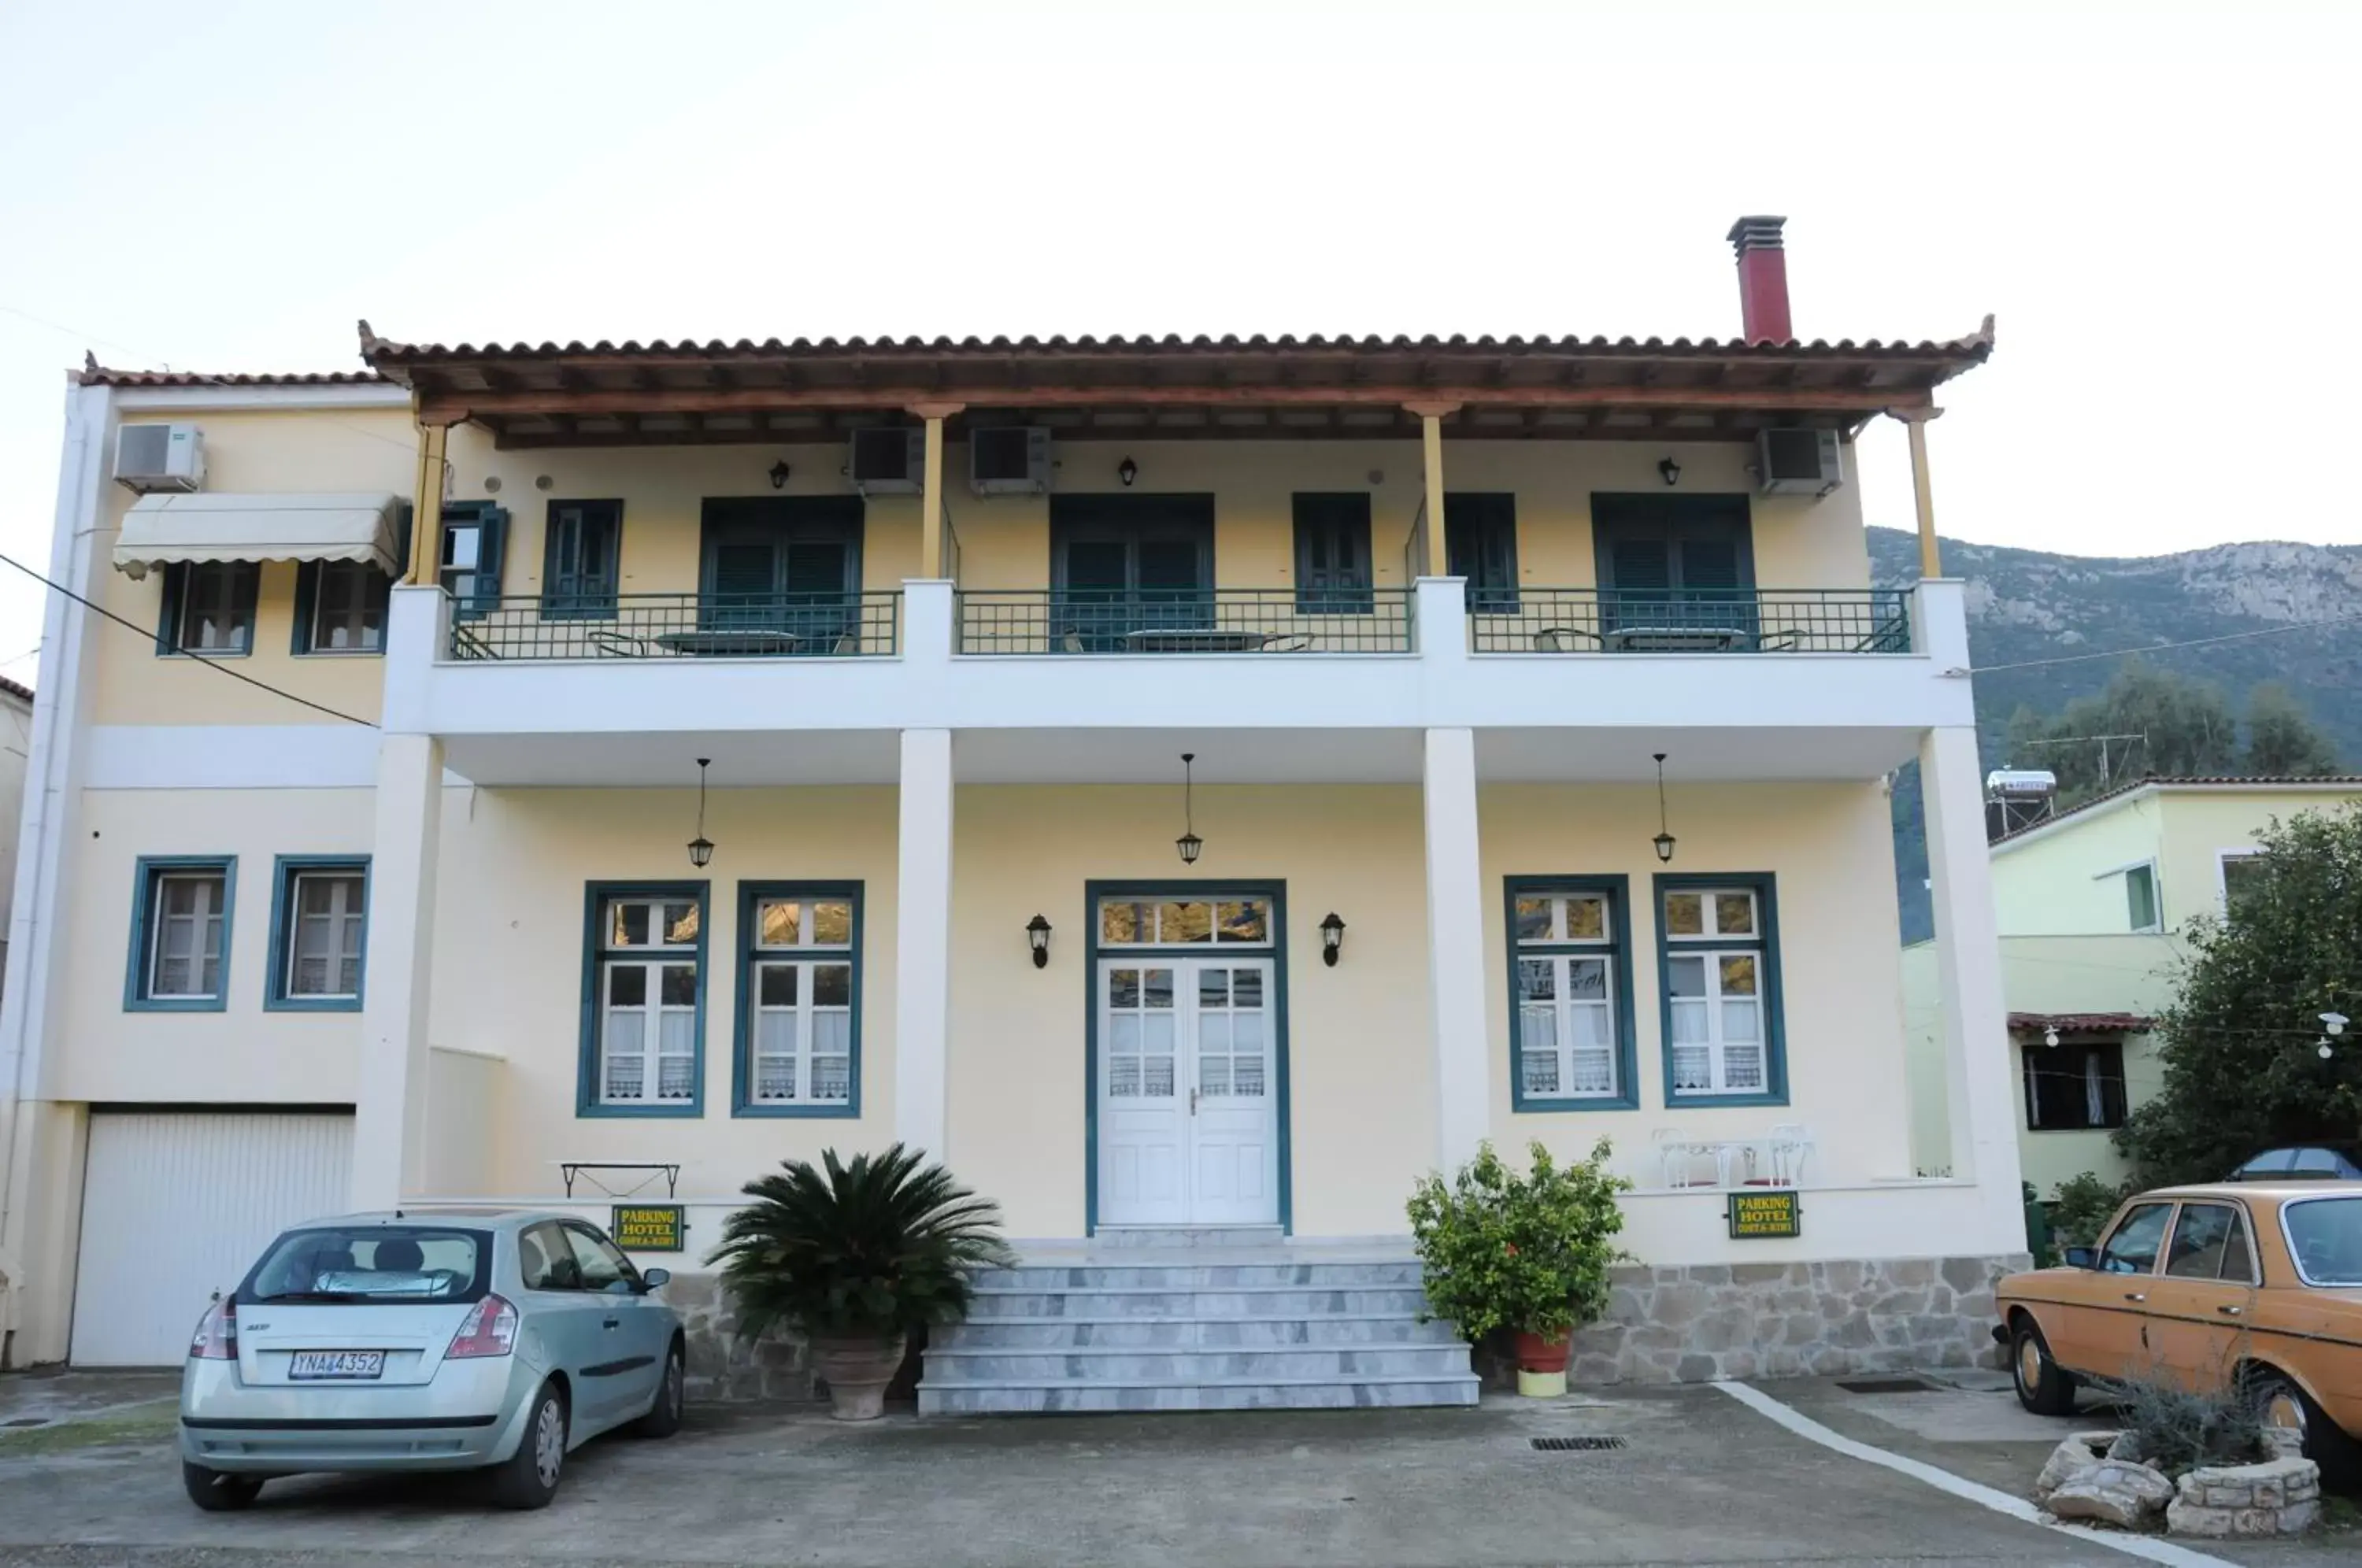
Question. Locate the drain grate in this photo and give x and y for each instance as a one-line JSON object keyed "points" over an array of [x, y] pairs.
{"points": [[1888, 1385], [26, 1421], [1576, 1444]]}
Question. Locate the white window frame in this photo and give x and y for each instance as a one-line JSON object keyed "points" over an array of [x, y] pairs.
{"points": [[653, 958], [1561, 952], [2222, 858], [1713, 944], [446, 568], [208, 919], [2156, 887], [351, 618], [805, 957], [347, 918]]}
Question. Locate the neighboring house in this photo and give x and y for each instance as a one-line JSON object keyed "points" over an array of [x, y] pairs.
{"points": [[945, 619], [2089, 901], [15, 746]]}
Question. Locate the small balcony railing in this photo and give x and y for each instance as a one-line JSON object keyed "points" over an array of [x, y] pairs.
{"points": [[1764, 621], [1184, 621], [679, 625]]}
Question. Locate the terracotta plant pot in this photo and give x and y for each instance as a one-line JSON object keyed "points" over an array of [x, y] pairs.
{"points": [[1541, 1365], [857, 1371]]}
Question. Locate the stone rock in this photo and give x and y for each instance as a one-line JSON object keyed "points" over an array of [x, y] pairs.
{"points": [[2279, 1496], [1965, 1275], [1911, 1271], [2129, 1497], [2127, 1448], [2079, 1452], [1694, 1369]]}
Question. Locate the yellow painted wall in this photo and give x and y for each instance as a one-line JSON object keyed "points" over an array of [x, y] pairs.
{"points": [[1830, 848], [2069, 880], [351, 450], [2200, 824], [242, 1053]]}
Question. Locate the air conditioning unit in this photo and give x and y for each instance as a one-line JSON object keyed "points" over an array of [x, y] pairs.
{"points": [[889, 460], [1008, 460], [149, 457], [1799, 462]]}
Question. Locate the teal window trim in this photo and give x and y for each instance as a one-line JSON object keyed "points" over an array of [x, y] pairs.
{"points": [[742, 1039], [1196, 892], [1766, 944], [303, 639], [276, 996], [246, 598], [587, 1103], [586, 593], [149, 872], [1617, 889], [491, 522]]}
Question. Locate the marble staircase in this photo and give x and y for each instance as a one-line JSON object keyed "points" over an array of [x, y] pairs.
{"points": [[1196, 1320]]}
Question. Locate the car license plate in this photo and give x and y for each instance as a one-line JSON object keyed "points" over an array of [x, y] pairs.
{"points": [[332, 1365]]}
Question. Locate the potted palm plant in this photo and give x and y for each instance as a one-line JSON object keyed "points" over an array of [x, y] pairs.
{"points": [[1526, 1255], [857, 1256]]}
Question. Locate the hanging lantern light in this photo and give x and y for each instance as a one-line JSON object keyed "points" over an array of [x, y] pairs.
{"points": [[1664, 840], [700, 848], [1188, 844]]}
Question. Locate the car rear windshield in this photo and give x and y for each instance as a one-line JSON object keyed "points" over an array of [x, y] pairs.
{"points": [[372, 1265], [2326, 1234]]}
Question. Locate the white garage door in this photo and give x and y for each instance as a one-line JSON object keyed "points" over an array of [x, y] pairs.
{"points": [[177, 1205]]}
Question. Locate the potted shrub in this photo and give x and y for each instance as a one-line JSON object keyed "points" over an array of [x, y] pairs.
{"points": [[1527, 1254], [857, 1256]]}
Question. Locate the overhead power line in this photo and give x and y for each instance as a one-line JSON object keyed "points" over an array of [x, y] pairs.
{"points": [[209, 663], [2167, 647]]}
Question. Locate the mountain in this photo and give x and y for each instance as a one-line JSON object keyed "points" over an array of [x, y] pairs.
{"points": [[2025, 605]]}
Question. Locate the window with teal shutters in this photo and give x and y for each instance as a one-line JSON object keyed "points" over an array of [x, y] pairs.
{"points": [[1678, 562], [475, 548], [581, 551], [1480, 544]]}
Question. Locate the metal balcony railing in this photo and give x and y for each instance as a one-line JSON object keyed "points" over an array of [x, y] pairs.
{"points": [[1753, 621], [1183, 620], [678, 625]]}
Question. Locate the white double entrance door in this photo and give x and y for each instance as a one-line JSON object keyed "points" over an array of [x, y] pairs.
{"points": [[1188, 1121]]}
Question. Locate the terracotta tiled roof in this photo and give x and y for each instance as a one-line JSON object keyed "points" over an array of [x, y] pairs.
{"points": [[2081, 1022], [2182, 780], [95, 375], [381, 352], [14, 689]]}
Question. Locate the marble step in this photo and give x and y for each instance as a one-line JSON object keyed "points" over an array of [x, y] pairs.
{"points": [[1197, 1275], [1159, 1333], [1196, 1364], [1232, 1301], [1168, 1238], [1065, 1395]]}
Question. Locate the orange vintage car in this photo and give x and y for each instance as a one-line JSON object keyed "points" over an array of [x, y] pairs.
{"points": [[2260, 1283]]}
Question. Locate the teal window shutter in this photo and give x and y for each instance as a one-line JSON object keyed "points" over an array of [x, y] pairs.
{"points": [[308, 602], [581, 569], [491, 555], [168, 621]]}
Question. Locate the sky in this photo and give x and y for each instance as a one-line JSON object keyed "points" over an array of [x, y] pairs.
{"points": [[2155, 200]]}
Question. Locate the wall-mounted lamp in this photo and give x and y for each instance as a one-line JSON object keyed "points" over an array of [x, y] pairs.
{"points": [[2050, 1034], [700, 848], [1664, 839], [1188, 844], [1127, 470], [779, 472], [1037, 932], [1669, 470], [1332, 937]]}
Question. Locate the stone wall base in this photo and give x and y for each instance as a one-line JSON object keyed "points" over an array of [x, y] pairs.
{"points": [[1770, 1320], [724, 1366]]}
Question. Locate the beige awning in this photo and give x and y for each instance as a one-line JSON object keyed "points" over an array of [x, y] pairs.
{"points": [[210, 526]]}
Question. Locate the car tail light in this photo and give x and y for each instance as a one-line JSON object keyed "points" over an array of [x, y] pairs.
{"points": [[489, 1328], [216, 1335]]}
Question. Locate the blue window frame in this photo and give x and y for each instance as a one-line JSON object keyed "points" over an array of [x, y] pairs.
{"points": [[471, 555], [183, 908], [581, 554], [1571, 1029], [319, 933], [209, 608], [795, 1047], [340, 608], [643, 999], [1719, 989]]}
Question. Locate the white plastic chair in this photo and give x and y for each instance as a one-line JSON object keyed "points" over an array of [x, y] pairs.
{"points": [[1792, 1144], [1677, 1152]]}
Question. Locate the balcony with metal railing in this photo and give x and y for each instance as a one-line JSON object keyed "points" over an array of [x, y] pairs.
{"points": [[678, 626], [1178, 621], [1745, 620]]}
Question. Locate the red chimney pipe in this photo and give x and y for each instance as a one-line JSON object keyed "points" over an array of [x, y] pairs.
{"points": [[1763, 278]]}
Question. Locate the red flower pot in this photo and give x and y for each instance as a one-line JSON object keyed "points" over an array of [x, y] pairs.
{"points": [[1536, 1353]]}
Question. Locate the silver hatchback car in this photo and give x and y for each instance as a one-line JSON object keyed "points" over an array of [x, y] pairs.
{"points": [[427, 1339]]}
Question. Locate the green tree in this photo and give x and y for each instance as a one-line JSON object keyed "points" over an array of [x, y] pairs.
{"points": [[2239, 1040], [2184, 726], [2282, 738]]}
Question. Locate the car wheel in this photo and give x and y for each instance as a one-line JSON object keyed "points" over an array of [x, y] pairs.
{"points": [[663, 1418], [528, 1478], [2042, 1386], [2282, 1403], [218, 1493]]}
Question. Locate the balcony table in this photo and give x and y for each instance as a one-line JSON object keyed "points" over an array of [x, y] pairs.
{"points": [[1674, 639], [1197, 639], [743, 641]]}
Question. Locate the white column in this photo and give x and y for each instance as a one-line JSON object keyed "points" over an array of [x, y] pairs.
{"points": [[1979, 1081], [1455, 949], [391, 1106], [922, 943]]}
